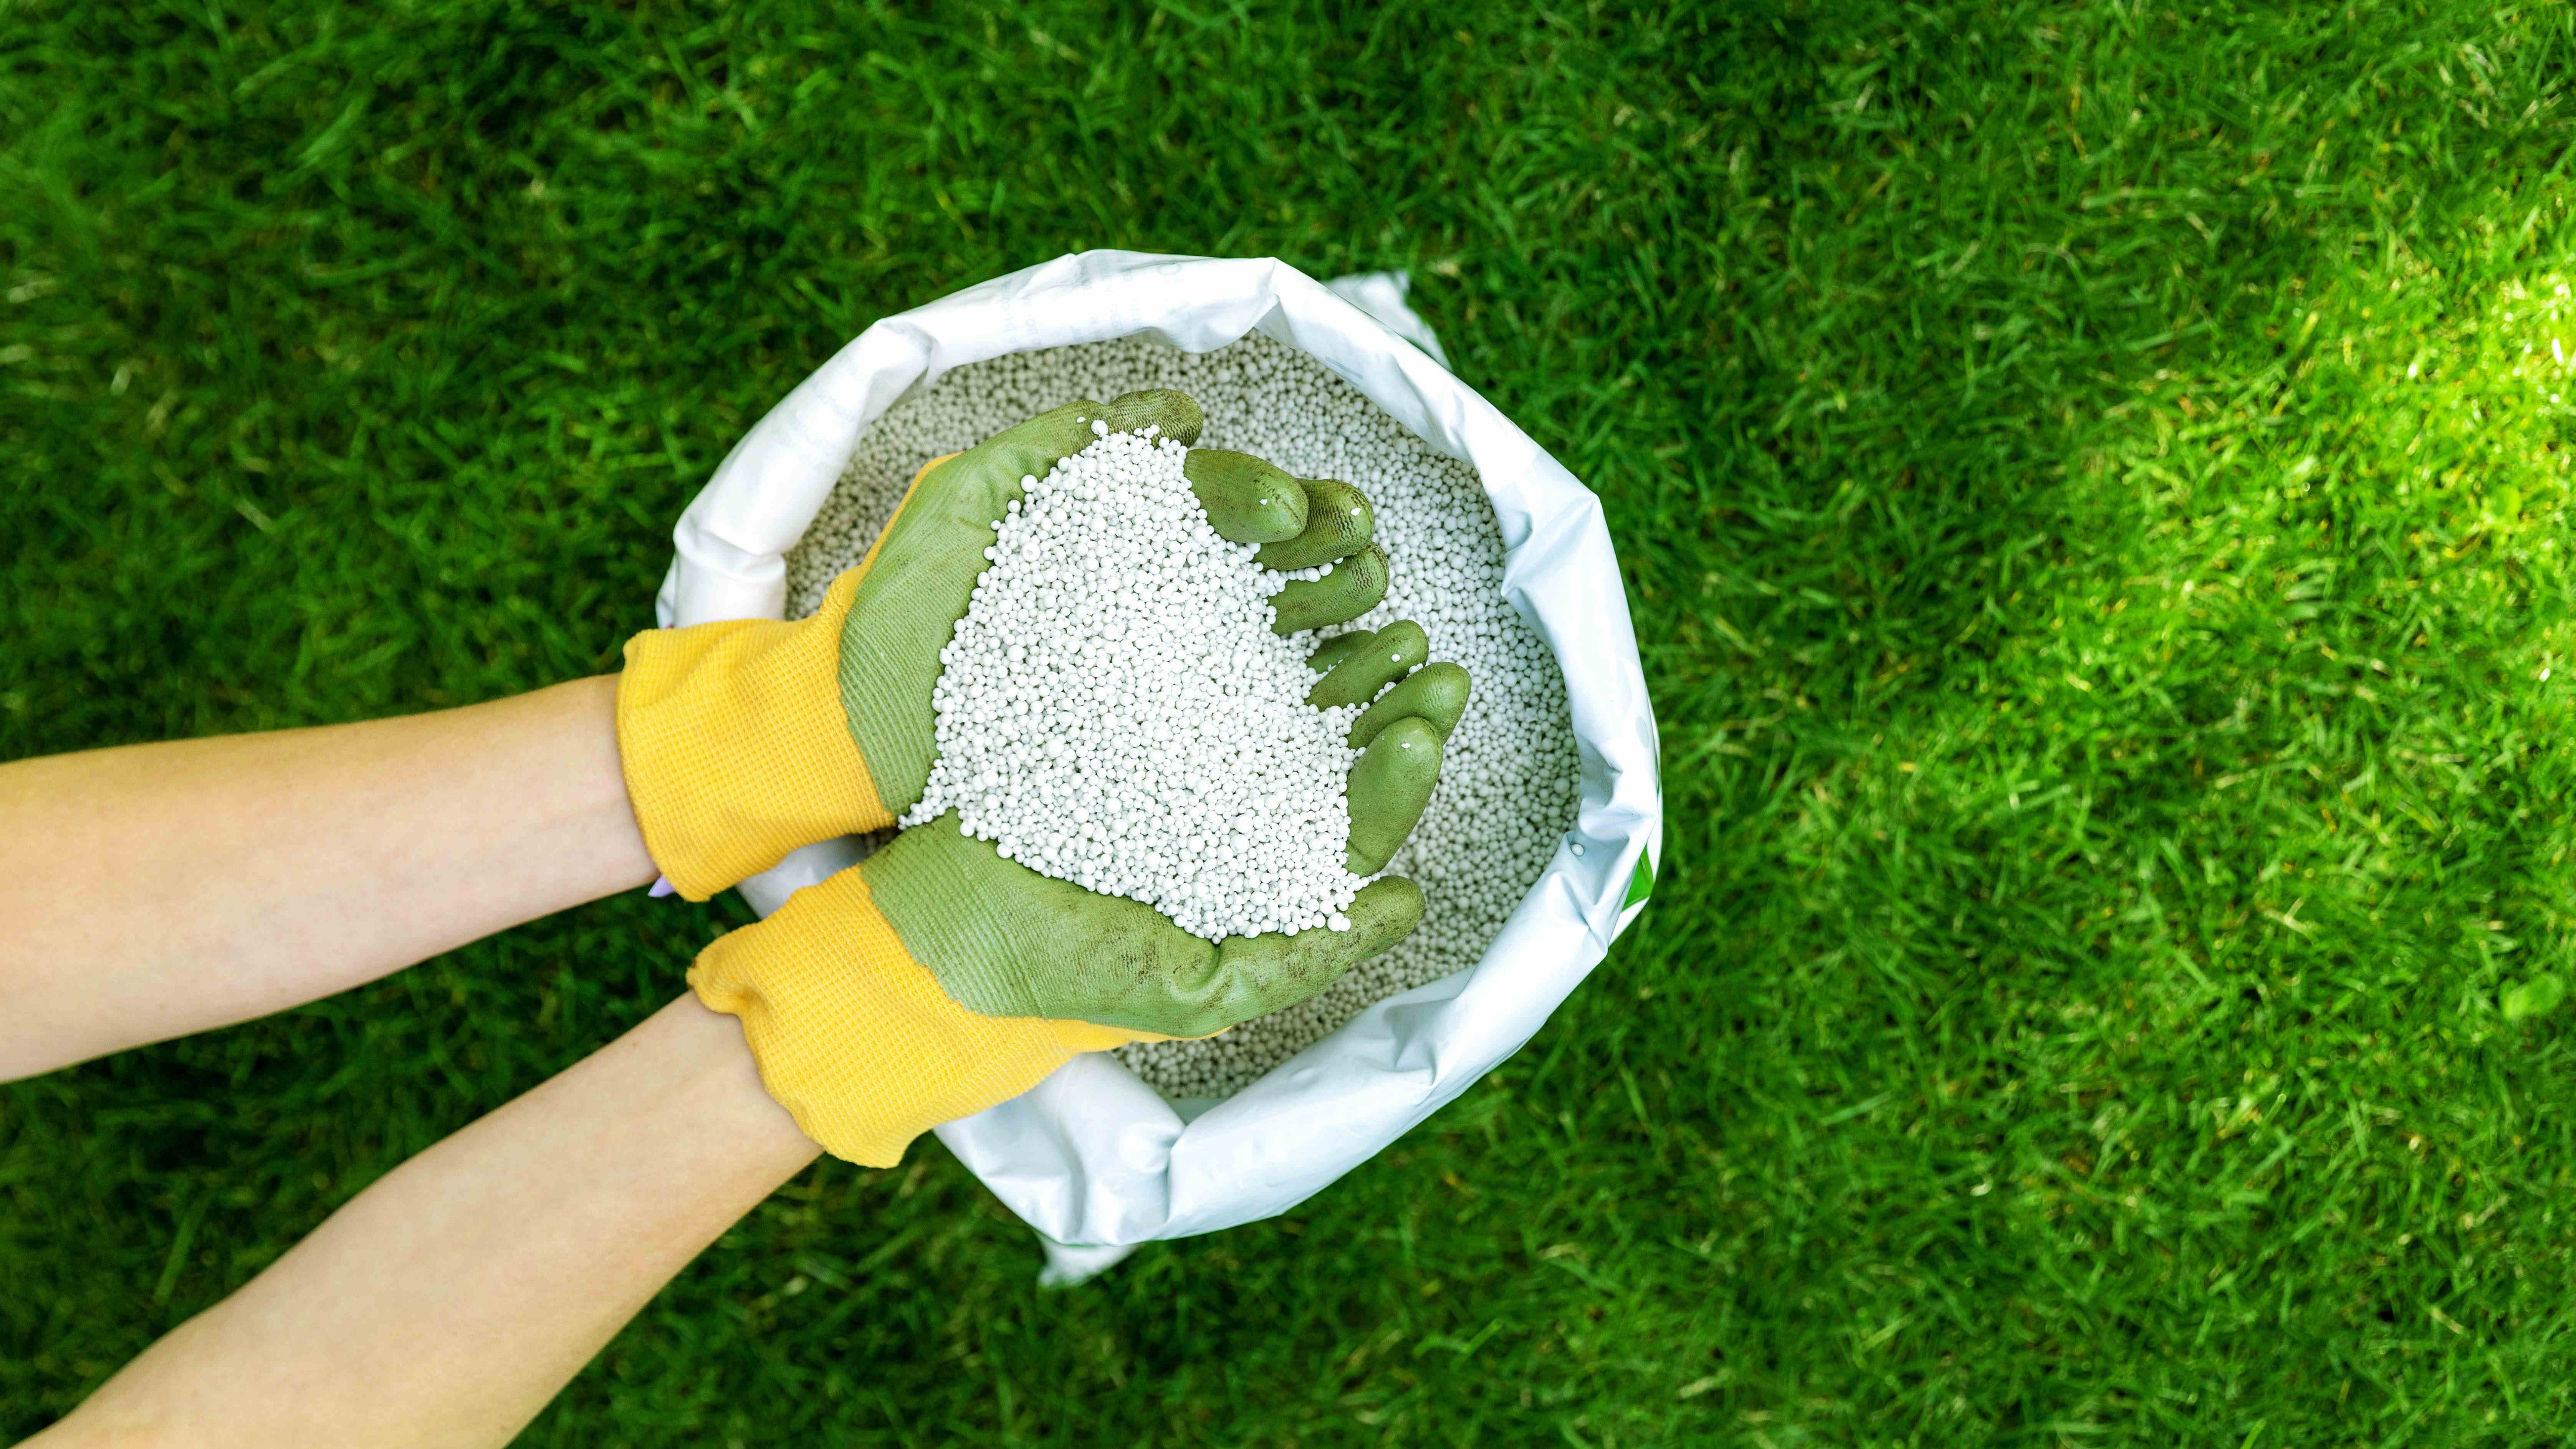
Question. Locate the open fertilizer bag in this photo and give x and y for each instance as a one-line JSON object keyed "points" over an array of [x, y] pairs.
{"points": [[1093, 1158]]}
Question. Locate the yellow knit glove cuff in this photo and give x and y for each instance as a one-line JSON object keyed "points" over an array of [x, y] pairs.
{"points": [[735, 745], [856, 1039]]}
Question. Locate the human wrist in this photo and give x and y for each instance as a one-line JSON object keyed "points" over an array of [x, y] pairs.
{"points": [[705, 1051]]}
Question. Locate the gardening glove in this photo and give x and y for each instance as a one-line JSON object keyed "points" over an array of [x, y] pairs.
{"points": [[938, 978], [745, 739]]}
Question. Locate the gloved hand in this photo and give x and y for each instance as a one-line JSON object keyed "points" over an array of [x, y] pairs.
{"points": [[938, 978], [745, 739]]}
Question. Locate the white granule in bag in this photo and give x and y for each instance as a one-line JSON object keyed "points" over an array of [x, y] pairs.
{"points": [[1114, 710], [1508, 776]]}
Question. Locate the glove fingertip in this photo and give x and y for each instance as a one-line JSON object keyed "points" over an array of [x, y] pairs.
{"points": [[1389, 908], [1175, 413], [1384, 912], [1356, 585]]}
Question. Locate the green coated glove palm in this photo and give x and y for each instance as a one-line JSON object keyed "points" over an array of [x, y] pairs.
{"points": [[1004, 940]]}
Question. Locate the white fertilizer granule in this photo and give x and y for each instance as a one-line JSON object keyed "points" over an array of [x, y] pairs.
{"points": [[1115, 711], [1507, 786]]}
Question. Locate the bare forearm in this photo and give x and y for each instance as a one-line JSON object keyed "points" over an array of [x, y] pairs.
{"points": [[449, 1302], [162, 889]]}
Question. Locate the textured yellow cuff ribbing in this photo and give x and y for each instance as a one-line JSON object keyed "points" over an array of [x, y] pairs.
{"points": [[856, 1039], [735, 747]]}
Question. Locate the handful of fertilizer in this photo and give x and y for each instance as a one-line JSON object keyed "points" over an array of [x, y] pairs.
{"points": [[1509, 763], [1122, 707]]}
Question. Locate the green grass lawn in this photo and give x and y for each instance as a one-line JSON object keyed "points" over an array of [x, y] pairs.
{"points": [[2093, 484]]}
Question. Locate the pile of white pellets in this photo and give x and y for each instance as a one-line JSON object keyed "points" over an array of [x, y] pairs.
{"points": [[1115, 711], [1508, 775]]}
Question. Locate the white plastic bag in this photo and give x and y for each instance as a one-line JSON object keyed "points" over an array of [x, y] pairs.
{"points": [[1092, 1158]]}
